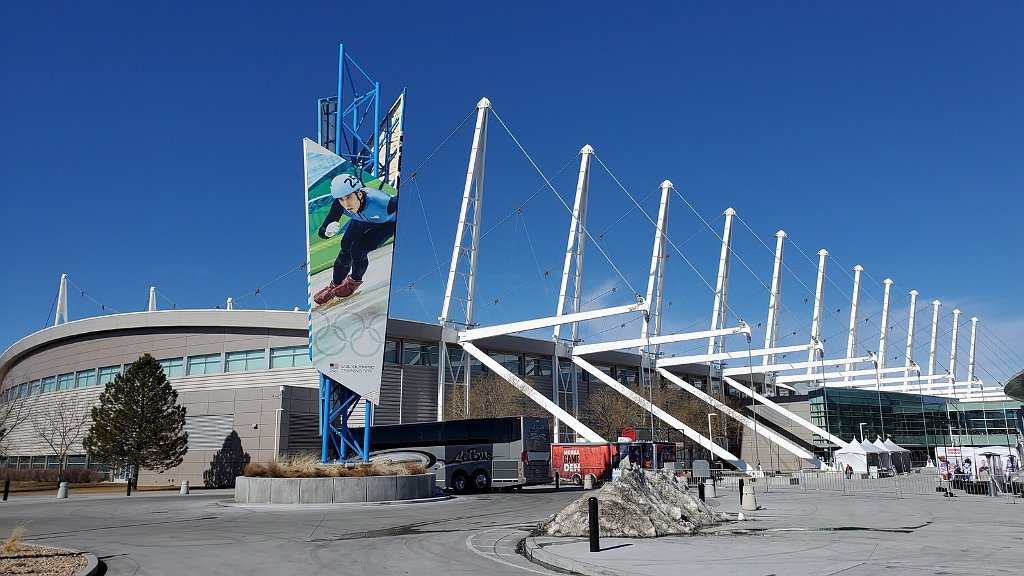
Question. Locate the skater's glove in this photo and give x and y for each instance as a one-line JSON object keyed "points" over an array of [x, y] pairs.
{"points": [[332, 229]]}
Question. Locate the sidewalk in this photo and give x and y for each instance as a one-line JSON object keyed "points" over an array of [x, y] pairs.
{"points": [[814, 534]]}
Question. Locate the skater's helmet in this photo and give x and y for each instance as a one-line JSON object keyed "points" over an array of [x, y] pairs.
{"points": [[344, 184]]}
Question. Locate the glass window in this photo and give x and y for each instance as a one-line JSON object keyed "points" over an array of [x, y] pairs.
{"points": [[38, 462], [391, 351], [538, 366], [66, 381], [411, 353], [33, 387], [244, 360], [76, 462], [417, 354], [291, 357], [85, 378], [206, 364], [107, 374], [173, 367], [49, 384], [428, 355], [628, 376], [508, 361]]}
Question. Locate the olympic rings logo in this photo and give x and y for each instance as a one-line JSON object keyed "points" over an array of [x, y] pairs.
{"points": [[361, 334]]}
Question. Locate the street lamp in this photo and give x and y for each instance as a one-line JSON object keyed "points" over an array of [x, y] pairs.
{"points": [[862, 424]]}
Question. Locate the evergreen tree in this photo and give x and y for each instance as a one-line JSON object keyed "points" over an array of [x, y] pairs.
{"points": [[138, 422]]}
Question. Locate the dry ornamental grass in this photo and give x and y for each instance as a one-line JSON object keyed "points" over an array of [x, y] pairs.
{"points": [[19, 558], [309, 466]]}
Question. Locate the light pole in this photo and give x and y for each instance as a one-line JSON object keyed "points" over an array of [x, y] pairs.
{"points": [[710, 437], [862, 424]]}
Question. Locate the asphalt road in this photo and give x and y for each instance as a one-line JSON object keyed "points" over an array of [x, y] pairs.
{"points": [[161, 533]]}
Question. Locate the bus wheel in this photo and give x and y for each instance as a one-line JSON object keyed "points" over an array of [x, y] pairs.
{"points": [[577, 479], [481, 481], [460, 483]]}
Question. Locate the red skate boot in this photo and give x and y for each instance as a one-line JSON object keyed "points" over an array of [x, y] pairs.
{"points": [[325, 295], [347, 287]]}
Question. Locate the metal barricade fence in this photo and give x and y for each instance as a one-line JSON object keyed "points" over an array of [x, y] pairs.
{"points": [[924, 481], [919, 482]]}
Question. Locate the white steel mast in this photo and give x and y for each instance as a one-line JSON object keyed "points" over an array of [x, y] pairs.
{"points": [[771, 331], [851, 342], [883, 338], [719, 312], [469, 221], [908, 361], [819, 297], [935, 335], [572, 269]]}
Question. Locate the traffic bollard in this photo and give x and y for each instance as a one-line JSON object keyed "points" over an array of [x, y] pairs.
{"points": [[741, 491], [184, 487], [7, 489], [62, 490], [700, 491], [595, 536]]}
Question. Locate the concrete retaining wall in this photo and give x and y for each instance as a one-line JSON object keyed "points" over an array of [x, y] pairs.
{"points": [[333, 490]]}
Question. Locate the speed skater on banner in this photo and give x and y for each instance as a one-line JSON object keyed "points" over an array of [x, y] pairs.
{"points": [[371, 223]]}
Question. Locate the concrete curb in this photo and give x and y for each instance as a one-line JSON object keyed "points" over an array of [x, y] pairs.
{"points": [[92, 563], [537, 554], [233, 504], [92, 566]]}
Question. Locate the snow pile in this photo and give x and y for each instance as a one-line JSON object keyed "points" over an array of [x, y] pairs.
{"points": [[640, 504]]}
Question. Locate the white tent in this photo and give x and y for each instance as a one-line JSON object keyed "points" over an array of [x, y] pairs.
{"points": [[856, 456], [900, 456], [881, 457]]}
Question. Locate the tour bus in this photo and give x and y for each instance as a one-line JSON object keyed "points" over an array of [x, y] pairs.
{"points": [[470, 455]]}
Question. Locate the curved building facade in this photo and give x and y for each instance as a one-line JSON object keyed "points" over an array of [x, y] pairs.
{"points": [[244, 378]]}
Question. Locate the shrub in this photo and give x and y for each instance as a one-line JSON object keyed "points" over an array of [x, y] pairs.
{"points": [[50, 475], [13, 542], [309, 466]]}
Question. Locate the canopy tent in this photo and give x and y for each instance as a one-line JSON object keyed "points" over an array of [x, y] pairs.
{"points": [[884, 462], [856, 456], [900, 456]]}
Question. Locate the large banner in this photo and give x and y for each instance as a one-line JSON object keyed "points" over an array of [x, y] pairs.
{"points": [[350, 230], [974, 463]]}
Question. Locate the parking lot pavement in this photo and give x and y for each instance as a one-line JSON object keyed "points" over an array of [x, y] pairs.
{"points": [[817, 534], [167, 533]]}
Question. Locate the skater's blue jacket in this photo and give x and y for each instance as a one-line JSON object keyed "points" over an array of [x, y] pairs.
{"points": [[377, 208]]}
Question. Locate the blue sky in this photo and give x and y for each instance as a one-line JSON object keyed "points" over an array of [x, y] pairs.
{"points": [[161, 145]]}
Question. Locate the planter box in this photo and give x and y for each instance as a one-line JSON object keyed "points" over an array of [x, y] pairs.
{"points": [[333, 490]]}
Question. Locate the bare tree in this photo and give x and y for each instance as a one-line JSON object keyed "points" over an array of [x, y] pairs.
{"points": [[490, 396], [61, 424], [607, 412], [12, 414]]}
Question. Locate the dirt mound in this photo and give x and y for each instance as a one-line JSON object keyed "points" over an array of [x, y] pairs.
{"points": [[640, 504]]}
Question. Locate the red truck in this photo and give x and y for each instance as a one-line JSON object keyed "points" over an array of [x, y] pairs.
{"points": [[572, 462]]}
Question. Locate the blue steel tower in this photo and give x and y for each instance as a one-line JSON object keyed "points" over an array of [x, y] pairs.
{"points": [[349, 125]]}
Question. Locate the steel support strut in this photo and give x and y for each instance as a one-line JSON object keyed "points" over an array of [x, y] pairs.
{"points": [[337, 405]]}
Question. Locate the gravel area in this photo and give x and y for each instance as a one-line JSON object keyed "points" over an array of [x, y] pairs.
{"points": [[41, 560]]}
